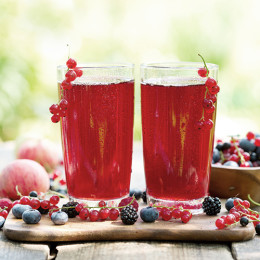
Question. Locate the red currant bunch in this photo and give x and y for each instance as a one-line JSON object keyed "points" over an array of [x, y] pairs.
{"points": [[209, 99], [59, 110]]}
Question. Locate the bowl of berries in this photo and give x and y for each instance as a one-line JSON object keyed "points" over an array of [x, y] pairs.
{"points": [[235, 169]]}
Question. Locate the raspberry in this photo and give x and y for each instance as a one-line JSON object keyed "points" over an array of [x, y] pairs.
{"points": [[129, 215], [126, 201], [211, 206]]}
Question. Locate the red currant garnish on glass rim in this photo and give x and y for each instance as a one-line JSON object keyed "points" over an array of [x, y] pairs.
{"points": [[71, 64]]}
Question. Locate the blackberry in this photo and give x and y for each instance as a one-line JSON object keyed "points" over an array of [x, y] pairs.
{"points": [[211, 206], [71, 212], [129, 215], [144, 197]]}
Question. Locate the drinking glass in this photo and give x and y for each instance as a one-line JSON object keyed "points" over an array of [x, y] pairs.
{"points": [[97, 132], [177, 151]]}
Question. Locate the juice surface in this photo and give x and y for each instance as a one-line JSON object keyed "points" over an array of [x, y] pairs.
{"points": [[97, 136], [177, 155]]}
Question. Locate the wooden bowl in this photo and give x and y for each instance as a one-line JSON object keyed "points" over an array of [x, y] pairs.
{"points": [[226, 182]]}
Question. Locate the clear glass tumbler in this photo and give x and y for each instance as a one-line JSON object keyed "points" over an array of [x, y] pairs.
{"points": [[97, 132], [177, 150]]}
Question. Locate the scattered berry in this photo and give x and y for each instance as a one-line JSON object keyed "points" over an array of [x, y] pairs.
{"points": [[6, 203], [220, 223], [244, 221], [250, 135], [69, 208], [54, 200], [2, 222], [35, 203], [129, 215], [59, 218], [113, 214], [257, 229], [24, 201], [93, 215], [149, 214], [31, 216], [84, 213], [126, 201], [104, 213], [176, 213], [19, 209], [4, 213], [211, 206], [229, 204], [102, 204], [53, 209], [166, 214], [79, 207], [33, 194], [45, 204]]}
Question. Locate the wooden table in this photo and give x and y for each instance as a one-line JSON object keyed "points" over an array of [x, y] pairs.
{"points": [[124, 250]]}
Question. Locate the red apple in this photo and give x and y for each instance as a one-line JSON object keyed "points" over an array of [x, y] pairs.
{"points": [[28, 175], [42, 151]]}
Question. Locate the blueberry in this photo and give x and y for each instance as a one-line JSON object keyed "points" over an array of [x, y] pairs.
{"points": [[253, 157], [59, 218], [229, 204], [257, 229], [246, 145], [257, 135], [2, 221], [136, 192], [19, 209], [33, 194], [231, 163], [244, 221], [31, 216], [257, 151], [216, 155], [250, 163], [149, 214], [225, 146]]}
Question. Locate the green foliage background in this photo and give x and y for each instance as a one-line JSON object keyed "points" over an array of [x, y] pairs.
{"points": [[34, 34]]}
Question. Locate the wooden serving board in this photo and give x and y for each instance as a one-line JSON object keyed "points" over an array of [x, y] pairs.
{"points": [[200, 228]]}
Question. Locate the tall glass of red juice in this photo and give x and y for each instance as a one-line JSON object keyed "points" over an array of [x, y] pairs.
{"points": [[177, 151], [97, 132]]}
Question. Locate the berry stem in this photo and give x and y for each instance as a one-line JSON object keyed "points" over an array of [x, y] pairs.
{"points": [[242, 159], [205, 65], [222, 157], [18, 192], [251, 200], [56, 193]]}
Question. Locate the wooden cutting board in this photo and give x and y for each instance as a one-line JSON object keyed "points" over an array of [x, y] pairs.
{"points": [[200, 228]]}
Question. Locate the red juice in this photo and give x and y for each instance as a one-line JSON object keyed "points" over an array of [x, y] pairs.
{"points": [[177, 155], [97, 137]]}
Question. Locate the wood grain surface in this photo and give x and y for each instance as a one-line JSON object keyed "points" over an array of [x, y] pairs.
{"points": [[143, 250], [200, 228]]}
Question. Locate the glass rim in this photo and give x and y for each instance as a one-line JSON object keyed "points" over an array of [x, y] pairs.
{"points": [[96, 65], [178, 65]]}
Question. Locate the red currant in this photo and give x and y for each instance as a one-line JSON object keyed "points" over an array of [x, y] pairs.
{"points": [[104, 213], [66, 85], [185, 218], [208, 124], [244, 164], [214, 90], [210, 82], [213, 98], [15, 202], [35, 203], [94, 215], [257, 142], [244, 213], [54, 200], [176, 213], [4, 213], [237, 215], [246, 156], [220, 223], [54, 109], [70, 75], [63, 113], [113, 214], [250, 135], [78, 72], [84, 213], [102, 203], [207, 103], [230, 219], [52, 209], [240, 150], [199, 125], [45, 204], [55, 119], [203, 72], [246, 204], [210, 110], [71, 64], [166, 214], [25, 201], [234, 158], [63, 104], [237, 203], [79, 207]]}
